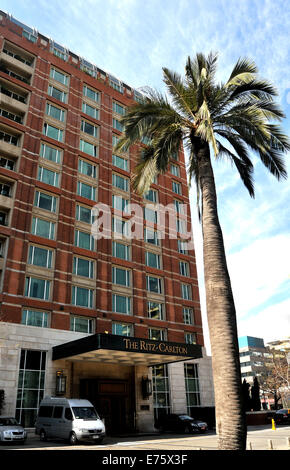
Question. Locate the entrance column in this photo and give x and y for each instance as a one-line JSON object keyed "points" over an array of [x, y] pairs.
{"points": [[144, 406]]}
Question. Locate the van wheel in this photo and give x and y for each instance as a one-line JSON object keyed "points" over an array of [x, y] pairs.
{"points": [[42, 435], [73, 439]]}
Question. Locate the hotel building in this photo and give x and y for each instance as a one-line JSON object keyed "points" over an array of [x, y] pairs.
{"points": [[115, 320]]}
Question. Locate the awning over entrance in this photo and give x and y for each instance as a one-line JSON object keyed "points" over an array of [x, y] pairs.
{"points": [[125, 350]]}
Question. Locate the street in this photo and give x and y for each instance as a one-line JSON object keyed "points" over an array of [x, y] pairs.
{"points": [[258, 438]]}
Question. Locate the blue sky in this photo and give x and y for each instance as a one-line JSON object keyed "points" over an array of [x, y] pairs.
{"points": [[133, 40]]}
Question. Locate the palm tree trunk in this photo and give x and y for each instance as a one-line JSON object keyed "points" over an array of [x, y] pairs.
{"points": [[230, 416]]}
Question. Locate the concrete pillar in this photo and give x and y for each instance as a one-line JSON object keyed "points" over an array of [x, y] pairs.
{"points": [[144, 407]]}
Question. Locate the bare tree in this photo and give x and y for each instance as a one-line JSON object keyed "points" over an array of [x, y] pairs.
{"points": [[275, 377]]}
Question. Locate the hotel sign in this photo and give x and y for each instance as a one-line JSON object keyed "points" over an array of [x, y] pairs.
{"points": [[142, 345]]}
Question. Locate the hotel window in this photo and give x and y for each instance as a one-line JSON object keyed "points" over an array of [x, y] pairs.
{"points": [[84, 240], [9, 138], [186, 291], [118, 108], [6, 163], [184, 268], [181, 226], [91, 94], [176, 187], [154, 284], [121, 276], [58, 76], [88, 169], [37, 288], [120, 226], [191, 386], [82, 297], [188, 317], [48, 176], [120, 182], [151, 236], [81, 324], [90, 110], [122, 329], [179, 207], [55, 112], [190, 338], [84, 214], [89, 129], [83, 267], [45, 201], [155, 310], [151, 195], [152, 260], [115, 141], [57, 94], [119, 203], [121, 304], [86, 190], [43, 228], [120, 162], [30, 389], [5, 190], [182, 247], [53, 132], [35, 318], [174, 156], [150, 215], [118, 125], [40, 256], [157, 334], [119, 250], [161, 391], [88, 148], [50, 153], [174, 170], [3, 218]]}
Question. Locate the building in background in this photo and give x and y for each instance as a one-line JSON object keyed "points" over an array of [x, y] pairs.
{"points": [[253, 355], [100, 319]]}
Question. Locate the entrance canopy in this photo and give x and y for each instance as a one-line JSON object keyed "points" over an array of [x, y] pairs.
{"points": [[124, 350]]}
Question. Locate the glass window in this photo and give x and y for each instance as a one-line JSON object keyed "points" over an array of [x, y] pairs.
{"points": [[53, 132], [121, 251], [88, 148], [91, 94], [150, 215], [34, 318], [151, 195], [37, 288], [181, 226], [58, 76], [155, 310], [90, 110], [122, 329], [57, 94], [179, 207], [120, 162], [83, 267], [152, 260], [176, 187], [157, 334], [118, 108], [121, 304], [118, 125], [190, 338], [154, 284], [182, 247], [186, 291], [82, 297], [30, 389], [120, 203], [86, 190], [191, 387], [188, 317], [45, 201], [48, 176], [174, 170], [55, 112], [40, 256], [6, 163], [89, 128], [121, 276], [120, 226], [81, 324], [84, 214], [120, 182], [161, 391], [184, 268], [84, 240], [43, 228], [87, 168], [150, 236], [50, 153]]}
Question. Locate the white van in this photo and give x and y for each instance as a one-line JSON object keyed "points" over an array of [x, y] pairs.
{"points": [[69, 418]]}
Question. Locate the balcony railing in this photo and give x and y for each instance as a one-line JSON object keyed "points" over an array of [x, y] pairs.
{"points": [[11, 116], [18, 57], [13, 74], [12, 94]]}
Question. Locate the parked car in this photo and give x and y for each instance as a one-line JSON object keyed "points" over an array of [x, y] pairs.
{"points": [[282, 416], [181, 423], [11, 431]]}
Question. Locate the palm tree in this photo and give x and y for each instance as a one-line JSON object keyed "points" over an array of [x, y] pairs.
{"points": [[211, 120]]}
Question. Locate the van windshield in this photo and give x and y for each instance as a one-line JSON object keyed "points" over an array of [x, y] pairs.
{"points": [[83, 412]]}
